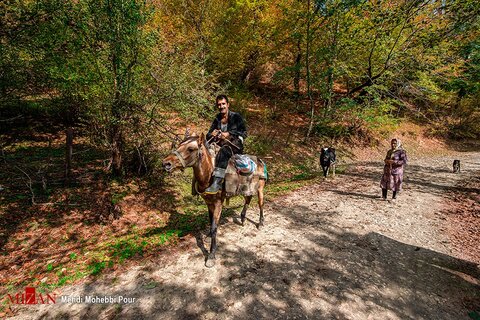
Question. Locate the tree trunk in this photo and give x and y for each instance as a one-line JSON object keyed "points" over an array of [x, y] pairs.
{"points": [[68, 154], [307, 65], [330, 74], [116, 150], [69, 120], [297, 75], [116, 130], [250, 64]]}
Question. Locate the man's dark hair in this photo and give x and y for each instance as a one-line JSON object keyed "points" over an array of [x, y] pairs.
{"points": [[221, 97]]}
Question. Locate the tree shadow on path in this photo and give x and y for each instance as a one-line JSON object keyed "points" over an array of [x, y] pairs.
{"points": [[335, 274]]}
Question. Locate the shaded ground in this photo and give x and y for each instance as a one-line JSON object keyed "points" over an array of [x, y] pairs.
{"points": [[332, 250], [463, 218]]}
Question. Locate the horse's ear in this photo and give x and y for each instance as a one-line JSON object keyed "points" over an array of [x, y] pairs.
{"points": [[201, 138], [187, 134], [175, 140]]}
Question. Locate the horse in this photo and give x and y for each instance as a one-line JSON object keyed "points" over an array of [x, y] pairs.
{"points": [[192, 152]]}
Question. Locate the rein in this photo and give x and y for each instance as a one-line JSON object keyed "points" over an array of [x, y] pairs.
{"points": [[182, 159], [228, 141], [199, 153]]}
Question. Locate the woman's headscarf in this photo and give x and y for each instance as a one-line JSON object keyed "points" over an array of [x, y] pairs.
{"points": [[391, 152]]}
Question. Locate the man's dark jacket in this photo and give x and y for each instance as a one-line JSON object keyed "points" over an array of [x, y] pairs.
{"points": [[235, 125]]}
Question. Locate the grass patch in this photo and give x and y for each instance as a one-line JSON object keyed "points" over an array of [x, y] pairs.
{"points": [[128, 248], [96, 267], [117, 197]]}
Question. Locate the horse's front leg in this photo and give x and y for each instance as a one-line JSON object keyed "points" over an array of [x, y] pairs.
{"points": [[217, 211], [245, 207], [211, 209]]}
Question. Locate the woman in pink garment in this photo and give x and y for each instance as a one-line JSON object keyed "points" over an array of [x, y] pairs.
{"points": [[395, 161]]}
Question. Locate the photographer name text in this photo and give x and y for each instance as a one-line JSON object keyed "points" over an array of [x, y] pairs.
{"points": [[97, 299]]}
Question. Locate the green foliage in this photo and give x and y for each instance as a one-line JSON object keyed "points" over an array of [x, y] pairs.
{"points": [[126, 70], [106, 62], [259, 145], [447, 91], [474, 315], [117, 197], [373, 52], [238, 43], [354, 119]]}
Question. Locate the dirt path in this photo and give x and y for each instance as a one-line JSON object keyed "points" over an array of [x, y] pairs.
{"points": [[333, 250]]}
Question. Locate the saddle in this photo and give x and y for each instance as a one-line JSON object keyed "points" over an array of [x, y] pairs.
{"points": [[237, 183]]}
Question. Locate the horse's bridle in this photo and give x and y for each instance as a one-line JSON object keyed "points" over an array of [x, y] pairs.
{"points": [[182, 160]]}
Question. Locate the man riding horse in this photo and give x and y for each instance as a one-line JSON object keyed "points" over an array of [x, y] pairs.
{"points": [[228, 130]]}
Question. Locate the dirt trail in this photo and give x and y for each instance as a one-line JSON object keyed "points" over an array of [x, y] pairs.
{"points": [[333, 250]]}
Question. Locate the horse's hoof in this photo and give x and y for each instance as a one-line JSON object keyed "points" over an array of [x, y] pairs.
{"points": [[210, 262], [260, 224], [243, 222]]}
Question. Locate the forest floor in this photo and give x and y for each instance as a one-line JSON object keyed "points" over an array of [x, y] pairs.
{"points": [[330, 250]]}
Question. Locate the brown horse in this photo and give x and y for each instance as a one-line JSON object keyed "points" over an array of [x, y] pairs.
{"points": [[192, 152]]}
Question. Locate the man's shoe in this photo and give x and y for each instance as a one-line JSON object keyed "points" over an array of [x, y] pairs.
{"points": [[215, 187]]}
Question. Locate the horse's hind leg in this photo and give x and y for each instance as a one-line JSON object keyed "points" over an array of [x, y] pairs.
{"points": [[245, 207], [260, 201]]}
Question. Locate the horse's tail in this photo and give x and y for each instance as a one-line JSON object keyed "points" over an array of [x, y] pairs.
{"points": [[265, 171]]}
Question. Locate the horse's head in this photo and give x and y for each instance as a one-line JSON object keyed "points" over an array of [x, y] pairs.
{"points": [[186, 155]]}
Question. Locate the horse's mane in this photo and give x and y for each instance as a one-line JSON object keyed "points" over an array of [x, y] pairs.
{"points": [[189, 139]]}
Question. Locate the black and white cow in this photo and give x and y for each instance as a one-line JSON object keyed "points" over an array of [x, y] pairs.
{"points": [[456, 166], [327, 160]]}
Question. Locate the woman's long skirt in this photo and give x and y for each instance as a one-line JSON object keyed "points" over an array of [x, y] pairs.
{"points": [[391, 181]]}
